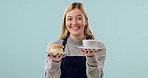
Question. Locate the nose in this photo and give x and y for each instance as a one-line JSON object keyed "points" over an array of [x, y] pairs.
{"points": [[74, 21]]}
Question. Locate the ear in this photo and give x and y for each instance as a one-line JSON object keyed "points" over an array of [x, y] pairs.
{"points": [[86, 21]]}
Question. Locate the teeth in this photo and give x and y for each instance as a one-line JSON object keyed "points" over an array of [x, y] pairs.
{"points": [[75, 27]]}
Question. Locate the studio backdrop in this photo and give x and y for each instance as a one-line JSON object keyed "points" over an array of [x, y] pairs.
{"points": [[26, 27]]}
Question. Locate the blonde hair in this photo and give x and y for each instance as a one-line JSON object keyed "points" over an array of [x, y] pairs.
{"points": [[65, 33]]}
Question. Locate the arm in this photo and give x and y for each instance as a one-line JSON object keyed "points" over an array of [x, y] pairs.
{"points": [[52, 69], [95, 64]]}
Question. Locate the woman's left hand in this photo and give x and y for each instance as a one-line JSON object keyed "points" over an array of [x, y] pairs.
{"points": [[89, 52]]}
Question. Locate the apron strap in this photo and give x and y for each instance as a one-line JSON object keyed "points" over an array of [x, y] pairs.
{"points": [[64, 43]]}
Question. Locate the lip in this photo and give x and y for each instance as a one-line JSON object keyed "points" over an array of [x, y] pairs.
{"points": [[75, 27]]}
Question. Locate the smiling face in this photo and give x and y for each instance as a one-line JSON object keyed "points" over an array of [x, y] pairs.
{"points": [[75, 22]]}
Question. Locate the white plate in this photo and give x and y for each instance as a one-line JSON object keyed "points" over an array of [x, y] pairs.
{"points": [[54, 53], [96, 48]]}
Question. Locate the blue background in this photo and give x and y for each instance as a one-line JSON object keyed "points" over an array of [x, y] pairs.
{"points": [[26, 27]]}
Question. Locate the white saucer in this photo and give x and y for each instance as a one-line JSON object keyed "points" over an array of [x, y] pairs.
{"points": [[96, 48], [55, 53]]}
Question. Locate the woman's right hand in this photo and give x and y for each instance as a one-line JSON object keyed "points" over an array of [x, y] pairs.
{"points": [[57, 57]]}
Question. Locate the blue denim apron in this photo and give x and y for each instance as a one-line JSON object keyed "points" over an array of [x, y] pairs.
{"points": [[73, 66]]}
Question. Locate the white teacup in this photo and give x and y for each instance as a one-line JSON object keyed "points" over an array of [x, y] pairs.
{"points": [[90, 43]]}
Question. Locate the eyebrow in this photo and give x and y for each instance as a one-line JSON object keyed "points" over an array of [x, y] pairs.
{"points": [[76, 16]]}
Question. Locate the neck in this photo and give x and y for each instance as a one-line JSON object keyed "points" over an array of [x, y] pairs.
{"points": [[77, 37]]}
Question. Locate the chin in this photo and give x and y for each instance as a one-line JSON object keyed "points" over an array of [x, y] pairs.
{"points": [[76, 34]]}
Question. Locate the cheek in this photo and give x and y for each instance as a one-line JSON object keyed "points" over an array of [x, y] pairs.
{"points": [[67, 26], [83, 28], [67, 23]]}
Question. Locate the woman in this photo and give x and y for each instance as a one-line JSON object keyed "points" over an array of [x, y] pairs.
{"points": [[78, 63]]}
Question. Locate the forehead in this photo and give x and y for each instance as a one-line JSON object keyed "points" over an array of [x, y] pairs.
{"points": [[74, 12]]}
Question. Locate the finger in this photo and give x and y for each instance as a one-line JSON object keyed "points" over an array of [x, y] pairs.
{"points": [[86, 51], [61, 55], [64, 55], [81, 50], [93, 50], [51, 56], [48, 55], [54, 55], [58, 55], [90, 54], [89, 50]]}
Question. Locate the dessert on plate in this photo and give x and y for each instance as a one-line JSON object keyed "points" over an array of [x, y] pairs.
{"points": [[56, 48]]}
